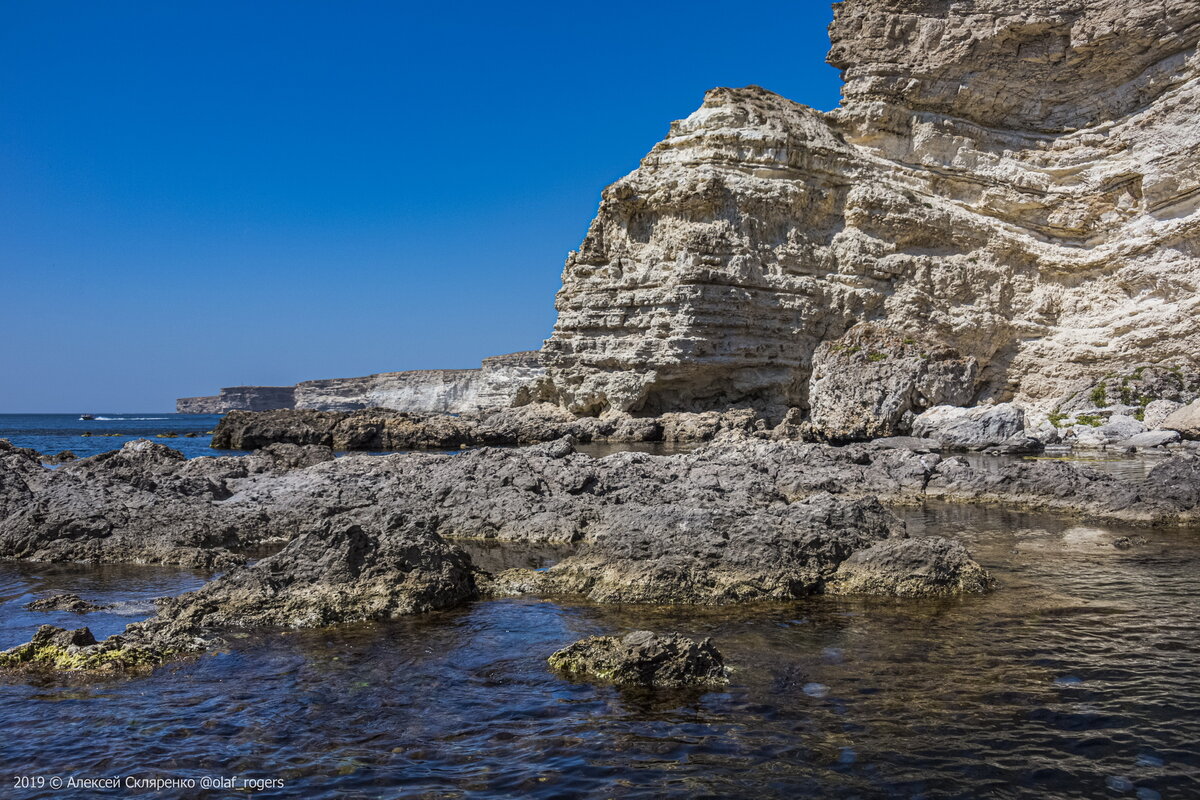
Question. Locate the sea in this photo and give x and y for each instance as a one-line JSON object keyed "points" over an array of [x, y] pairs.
{"points": [[1077, 678], [51, 434]]}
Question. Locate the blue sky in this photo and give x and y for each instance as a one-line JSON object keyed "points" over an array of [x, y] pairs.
{"points": [[196, 195]]}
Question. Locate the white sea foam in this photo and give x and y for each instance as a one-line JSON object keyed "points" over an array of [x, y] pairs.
{"points": [[126, 419]]}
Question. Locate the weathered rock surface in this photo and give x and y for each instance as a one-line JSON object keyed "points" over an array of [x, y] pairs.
{"points": [[347, 570], [678, 554], [144, 503], [643, 658], [975, 428], [381, 429], [872, 382], [1185, 420], [1016, 182], [64, 602], [1152, 439], [921, 567], [54, 649], [21, 474]]}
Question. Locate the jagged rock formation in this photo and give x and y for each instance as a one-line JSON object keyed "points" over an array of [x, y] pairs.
{"points": [[498, 382], [871, 383], [643, 658], [243, 398], [1017, 182]]}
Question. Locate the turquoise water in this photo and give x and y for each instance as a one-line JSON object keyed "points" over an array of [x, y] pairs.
{"points": [[53, 433]]}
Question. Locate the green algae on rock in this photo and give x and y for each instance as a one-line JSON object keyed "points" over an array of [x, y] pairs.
{"points": [[643, 658]]}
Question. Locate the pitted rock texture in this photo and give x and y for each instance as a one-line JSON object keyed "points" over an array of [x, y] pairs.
{"points": [[1015, 181], [643, 658], [339, 571], [675, 554], [384, 429], [872, 382], [923, 567]]}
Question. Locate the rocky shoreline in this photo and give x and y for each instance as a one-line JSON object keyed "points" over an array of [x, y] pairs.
{"points": [[364, 538]]}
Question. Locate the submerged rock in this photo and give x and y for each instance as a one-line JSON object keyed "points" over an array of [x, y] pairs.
{"points": [[55, 649], [643, 658], [920, 567], [64, 602]]}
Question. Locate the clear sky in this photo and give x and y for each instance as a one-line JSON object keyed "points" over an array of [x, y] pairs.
{"points": [[206, 194]]}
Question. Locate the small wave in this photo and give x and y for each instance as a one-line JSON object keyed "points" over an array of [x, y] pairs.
{"points": [[126, 419]]}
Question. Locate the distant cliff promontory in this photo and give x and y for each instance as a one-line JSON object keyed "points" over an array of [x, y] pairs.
{"points": [[496, 383]]}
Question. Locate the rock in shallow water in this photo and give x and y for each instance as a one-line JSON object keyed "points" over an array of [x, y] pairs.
{"points": [[643, 658], [921, 567], [343, 570], [64, 602]]}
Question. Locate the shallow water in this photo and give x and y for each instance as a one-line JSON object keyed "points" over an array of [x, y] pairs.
{"points": [[1077, 679]]}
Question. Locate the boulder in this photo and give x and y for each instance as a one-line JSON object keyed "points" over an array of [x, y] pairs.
{"points": [[1157, 411], [1185, 420], [54, 649], [872, 382], [643, 658], [920, 567], [1152, 439], [1119, 428], [64, 602], [975, 428]]}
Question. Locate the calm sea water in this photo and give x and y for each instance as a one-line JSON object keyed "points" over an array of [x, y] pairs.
{"points": [[53, 433], [1077, 679]]}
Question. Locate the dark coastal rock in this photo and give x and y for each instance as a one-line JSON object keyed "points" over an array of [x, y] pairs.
{"points": [[106, 520], [64, 602], [382, 429], [348, 572], [146, 503], [54, 649], [873, 381], [919, 567], [19, 476], [676, 554], [344, 571], [643, 658]]}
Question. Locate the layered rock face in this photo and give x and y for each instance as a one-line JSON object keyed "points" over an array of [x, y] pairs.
{"points": [[1016, 182], [495, 384], [499, 382], [239, 398]]}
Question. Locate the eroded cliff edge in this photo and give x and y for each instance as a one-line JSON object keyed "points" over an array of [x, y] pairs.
{"points": [[1013, 182]]}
